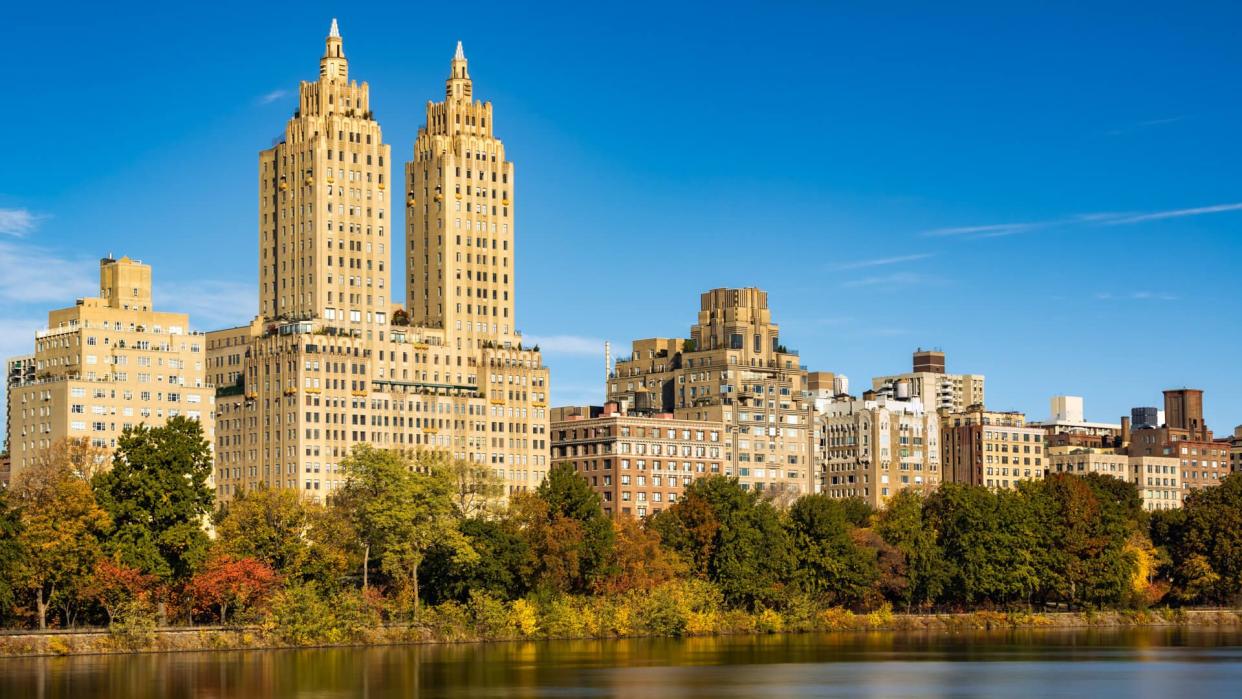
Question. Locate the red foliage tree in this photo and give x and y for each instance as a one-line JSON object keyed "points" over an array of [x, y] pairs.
{"points": [[114, 584], [227, 582]]}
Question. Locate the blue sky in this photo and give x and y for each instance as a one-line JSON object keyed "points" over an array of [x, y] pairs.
{"points": [[1049, 192]]}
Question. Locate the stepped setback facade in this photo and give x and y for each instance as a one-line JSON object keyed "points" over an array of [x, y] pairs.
{"points": [[330, 362]]}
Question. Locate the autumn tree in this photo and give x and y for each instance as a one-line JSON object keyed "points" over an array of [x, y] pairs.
{"points": [[227, 583], [570, 537], [639, 562], [60, 532], [113, 585], [268, 524], [477, 489], [157, 495]]}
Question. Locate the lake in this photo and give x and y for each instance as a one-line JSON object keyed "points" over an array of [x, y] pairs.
{"points": [[1095, 663]]}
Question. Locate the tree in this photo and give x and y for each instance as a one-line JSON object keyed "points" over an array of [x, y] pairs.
{"points": [[226, 582], [401, 509], [639, 562], [830, 566], [570, 536], [902, 525], [269, 524], [503, 567], [76, 454], [113, 586], [732, 536], [1204, 543], [158, 496], [12, 554], [477, 489], [61, 526]]}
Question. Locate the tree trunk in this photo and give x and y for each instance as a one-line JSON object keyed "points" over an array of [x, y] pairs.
{"points": [[41, 606], [366, 561], [414, 572], [224, 610]]}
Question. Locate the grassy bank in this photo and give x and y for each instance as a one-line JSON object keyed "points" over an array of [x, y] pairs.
{"points": [[436, 628]]}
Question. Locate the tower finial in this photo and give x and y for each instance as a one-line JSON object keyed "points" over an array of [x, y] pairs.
{"points": [[459, 56], [334, 32]]}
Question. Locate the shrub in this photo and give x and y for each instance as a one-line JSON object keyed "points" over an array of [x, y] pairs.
{"points": [[133, 626], [523, 618], [489, 615]]}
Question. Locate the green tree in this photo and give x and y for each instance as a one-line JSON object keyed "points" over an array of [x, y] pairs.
{"points": [[61, 527], [902, 525], [11, 552], [503, 567], [1204, 543], [157, 495], [830, 565], [734, 537], [401, 510]]}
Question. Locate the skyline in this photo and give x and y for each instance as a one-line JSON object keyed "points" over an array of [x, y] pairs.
{"points": [[899, 263]]}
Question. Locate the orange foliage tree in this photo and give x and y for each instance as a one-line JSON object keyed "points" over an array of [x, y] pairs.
{"points": [[227, 582]]}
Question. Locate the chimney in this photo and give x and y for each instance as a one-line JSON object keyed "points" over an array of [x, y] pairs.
{"points": [[1125, 430]]}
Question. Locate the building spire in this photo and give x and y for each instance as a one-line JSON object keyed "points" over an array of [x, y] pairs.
{"points": [[333, 65], [458, 84]]}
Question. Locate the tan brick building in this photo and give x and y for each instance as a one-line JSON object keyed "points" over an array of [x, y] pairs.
{"points": [[1184, 436], [990, 448], [733, 370], [638, 464], [874, 447], [328, 364], [1157, 478], [105, 364]]}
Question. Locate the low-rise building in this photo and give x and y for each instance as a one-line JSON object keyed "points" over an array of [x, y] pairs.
{"points": [[105, 364], [1155, 477], [990, 448], [874, 447], [640, 464]]}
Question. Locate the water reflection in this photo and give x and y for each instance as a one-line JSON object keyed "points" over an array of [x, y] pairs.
{"points": [[1095, 663]]}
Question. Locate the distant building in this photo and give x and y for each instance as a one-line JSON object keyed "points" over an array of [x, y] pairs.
{"points": [[733, 371], [1067, 427], [639, 464], [990, 448], [938, 391], [874, 447], [105, 364], [1204, 461], [1155, 477], [1146, 417]]}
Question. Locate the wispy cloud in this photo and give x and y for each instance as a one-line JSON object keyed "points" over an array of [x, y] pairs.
{"points": [[895, 279], [272, 96], [18, 222], [1176, 213], [1137, 296], [1098, 218], [567, 344], [884, 261], [37, 275], [1143, 125], [211, 303], [988, 231]]}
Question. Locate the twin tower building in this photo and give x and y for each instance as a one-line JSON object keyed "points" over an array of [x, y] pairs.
{"points": [[330, 361]]}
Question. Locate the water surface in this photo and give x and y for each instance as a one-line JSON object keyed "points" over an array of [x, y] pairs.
{"points": [[1099, 664]]}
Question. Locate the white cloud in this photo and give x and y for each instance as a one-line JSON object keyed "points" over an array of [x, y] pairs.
{"points": [[18, 222], [1175, 213], [989, 231], [272, 96], [1137, 296], [883, 261], [211, 303], [37, 275], [895, 279], [567, 344]]}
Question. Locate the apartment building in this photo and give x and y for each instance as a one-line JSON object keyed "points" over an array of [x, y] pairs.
{"points": [[990, 448], [1157, 478], [928, 381], [105, 364], [876, 446], [328, 363], [1184, 436], [639, 464], [733, 370]]}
